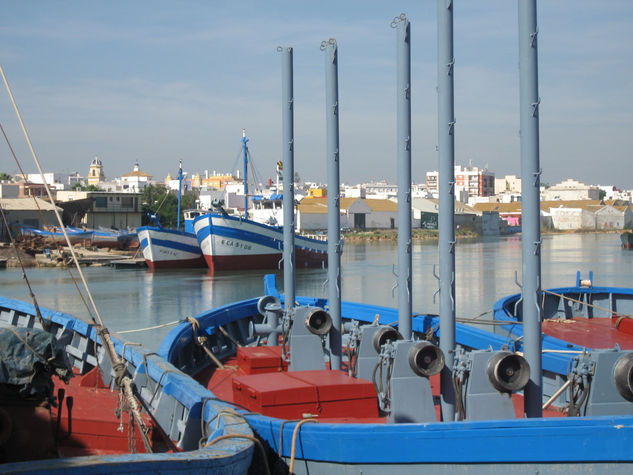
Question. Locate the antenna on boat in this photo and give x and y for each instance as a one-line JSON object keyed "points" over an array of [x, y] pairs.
{"points": [[446, 147], [334, 243], [405, 308], [245, 151], [530, 204], [287, 118]]}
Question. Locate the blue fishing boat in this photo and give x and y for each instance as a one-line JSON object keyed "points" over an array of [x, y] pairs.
{"points": [[340, 387], [62, 406], [318, 420], [583, 315], [171, 248], [55, 233]]}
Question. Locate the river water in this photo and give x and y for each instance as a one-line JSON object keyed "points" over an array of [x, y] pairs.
{"points": [[485, 272]]}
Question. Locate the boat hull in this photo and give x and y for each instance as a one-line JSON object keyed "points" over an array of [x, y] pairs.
{"points": [[627, 240], [169, 249], [230, 243]]}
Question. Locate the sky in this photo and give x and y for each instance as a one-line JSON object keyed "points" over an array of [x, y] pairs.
{"points": [[158, 81]]}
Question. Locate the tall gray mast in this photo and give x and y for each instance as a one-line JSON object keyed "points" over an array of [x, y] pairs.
{"points": [[405, 308], [333, 199], [446, 143], [287, 118], [530, 204]]}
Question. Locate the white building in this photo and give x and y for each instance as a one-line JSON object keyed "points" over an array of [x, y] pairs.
{"points": [[570, 190], [136, 180], [56, 180], [469, 182]]}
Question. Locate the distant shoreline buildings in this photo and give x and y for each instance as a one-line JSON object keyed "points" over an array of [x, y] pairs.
{"points": [[482, 200]]}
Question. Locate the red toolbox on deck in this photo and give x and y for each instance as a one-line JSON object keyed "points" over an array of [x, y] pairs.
{"points": [[290, 395], [260, 359], [275, 395]]}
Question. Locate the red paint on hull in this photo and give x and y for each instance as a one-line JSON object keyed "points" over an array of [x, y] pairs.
{"points": [[303, 260], [177, 264]]}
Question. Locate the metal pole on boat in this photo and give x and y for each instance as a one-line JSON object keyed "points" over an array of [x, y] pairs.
{"points": [[334, 244], [179, 195], [446, 220], [287, 118], [405, 308], [530, 203], [245, 150]]}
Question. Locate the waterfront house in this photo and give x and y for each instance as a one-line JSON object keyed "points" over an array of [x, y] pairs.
{"points": [[356, 213], [26, 212], [108, 209]]}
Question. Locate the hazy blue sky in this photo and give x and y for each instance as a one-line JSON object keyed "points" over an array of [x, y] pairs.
{"points": [[156, 81]]}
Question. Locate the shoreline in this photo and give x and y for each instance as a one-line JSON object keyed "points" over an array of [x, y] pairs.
{"points": [[432, 234]]}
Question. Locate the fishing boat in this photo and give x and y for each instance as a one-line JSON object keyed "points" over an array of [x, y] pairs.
{"points": [[171, 248], [64, 407], [239, 243], [316, 419], [627, 239], [55, 234], [75, 398], [113, 238], [340, 387], [584, 315]]}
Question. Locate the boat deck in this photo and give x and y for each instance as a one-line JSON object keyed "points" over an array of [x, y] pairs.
{"points": [[332, 396], [599, 333]]}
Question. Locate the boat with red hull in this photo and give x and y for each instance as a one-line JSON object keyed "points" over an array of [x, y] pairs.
{"points": [[233, 243]]}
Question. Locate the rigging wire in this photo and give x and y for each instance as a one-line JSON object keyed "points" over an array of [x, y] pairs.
{"points": [[123, 381]]}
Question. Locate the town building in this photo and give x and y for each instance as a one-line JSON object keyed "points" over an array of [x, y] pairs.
{"points": [[32, 212], [136, 180], [120, 210], [356, 213], [56, 180], [469, 182], [570, 190], [95, 172]]}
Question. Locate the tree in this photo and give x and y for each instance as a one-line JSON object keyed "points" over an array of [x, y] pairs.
{"points": [[157, 199], [81, 187], [5, 176]]}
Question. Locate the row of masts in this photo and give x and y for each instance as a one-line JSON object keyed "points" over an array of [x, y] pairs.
{"points": [[530, 171]]}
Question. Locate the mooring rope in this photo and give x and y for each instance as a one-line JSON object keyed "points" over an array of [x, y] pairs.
{"points": [[175, 322]]}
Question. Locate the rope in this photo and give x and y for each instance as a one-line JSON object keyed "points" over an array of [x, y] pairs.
{"points": [[597, 307], [294, 443], [135, 411], [229, 336], [149, 328], [555, 396], [195, 326], [242, 436], [105, 338]]}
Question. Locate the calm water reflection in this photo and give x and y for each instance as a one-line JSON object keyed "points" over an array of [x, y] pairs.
{"points": [[485, 271]]}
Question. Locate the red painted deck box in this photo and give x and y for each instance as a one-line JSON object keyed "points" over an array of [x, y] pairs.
{"points": [[290, 395], [261, 359]]}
